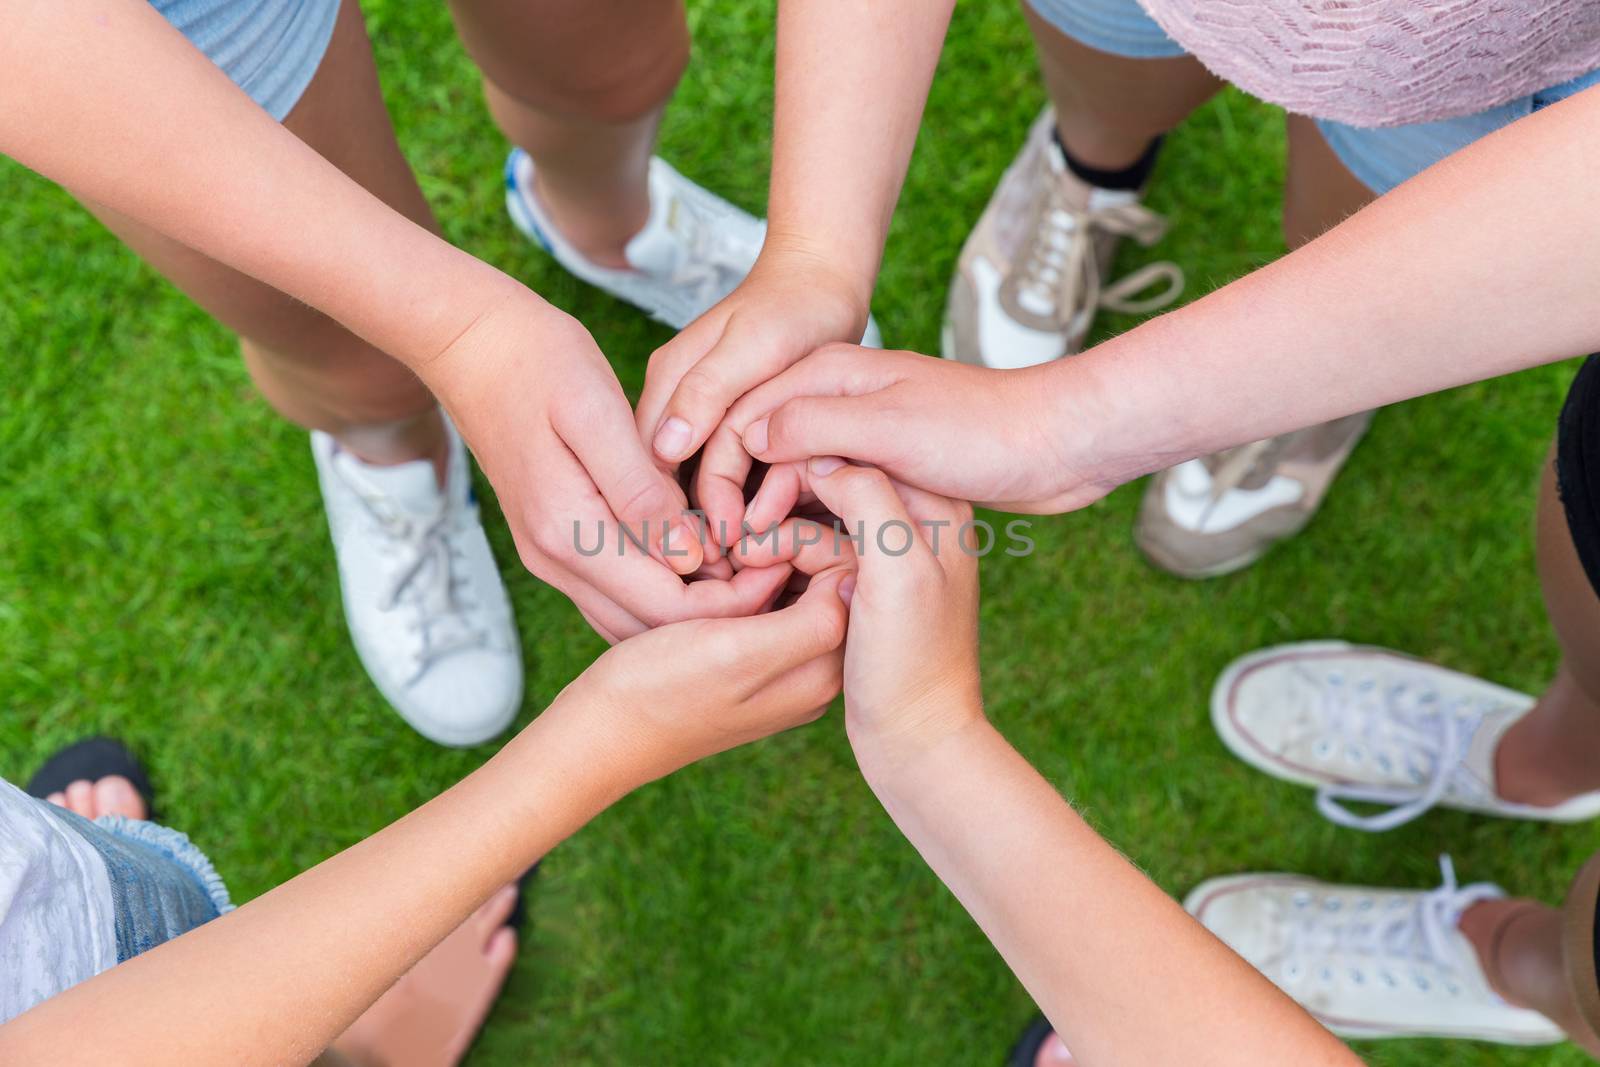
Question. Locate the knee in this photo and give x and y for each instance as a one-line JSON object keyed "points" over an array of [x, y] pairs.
{"points": [[612, 93]]}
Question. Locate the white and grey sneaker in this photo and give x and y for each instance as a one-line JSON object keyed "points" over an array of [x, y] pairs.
{"points": [[424, 601], [694, 250], [1374, 726], [1369, 962]]}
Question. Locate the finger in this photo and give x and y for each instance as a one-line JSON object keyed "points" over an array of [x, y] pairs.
{"points": [[864, 428], [777, 497], [719, 484], [668, 364], [779, 641], [809, 688], [833, 370], [656, 596], [888, 543], [752, 349], [606, 617], [810, 546], [642, 497]]}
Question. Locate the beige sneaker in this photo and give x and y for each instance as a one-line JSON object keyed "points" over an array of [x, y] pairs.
{"points": [[1028, 282], [1220, 513]]}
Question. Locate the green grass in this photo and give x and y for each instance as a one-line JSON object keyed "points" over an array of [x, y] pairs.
{"points": [[165, 576]]}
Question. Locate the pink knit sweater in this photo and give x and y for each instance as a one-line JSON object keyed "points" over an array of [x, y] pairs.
{"points": [[1387, 62]]}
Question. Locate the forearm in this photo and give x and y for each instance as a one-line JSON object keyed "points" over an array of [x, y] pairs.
{"points": [[1118, 967], [852, 79], [277, 980], [1482, 265], [106, 98]]}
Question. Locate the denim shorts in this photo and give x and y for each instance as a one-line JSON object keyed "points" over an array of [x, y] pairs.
{"points": [[270, 48], [1381, 157]]}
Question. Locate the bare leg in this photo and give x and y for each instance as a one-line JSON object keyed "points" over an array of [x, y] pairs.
{"points": [[430, 1017], [311, 369], [1519, 943], [1553, 752], [1109, 108], [1319, 191], [581, 86]]}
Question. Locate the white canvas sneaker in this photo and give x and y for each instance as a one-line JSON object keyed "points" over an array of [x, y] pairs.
{"points": [[422, 596], [693, 251], [1374, 726], [1369, 962]]}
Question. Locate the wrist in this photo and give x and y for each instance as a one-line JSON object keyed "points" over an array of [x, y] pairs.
{"points": [[844, 272], [575, 753], [510, 318], [887, 745]]}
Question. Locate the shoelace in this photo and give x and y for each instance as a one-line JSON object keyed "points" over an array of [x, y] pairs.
{"points": [[1397, 728], [1059, 265], [1230, 468], [1411, 935], [425, 578], [715, 262]]}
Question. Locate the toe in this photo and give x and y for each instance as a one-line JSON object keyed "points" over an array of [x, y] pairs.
{"points": [[80, 798], [116, 795], [59, 799], [501, 951], [493, 913]]}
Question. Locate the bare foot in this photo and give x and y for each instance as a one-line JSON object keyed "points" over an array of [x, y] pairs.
{"points": [[430, 1016], [1053, 1053], [113, 795]]}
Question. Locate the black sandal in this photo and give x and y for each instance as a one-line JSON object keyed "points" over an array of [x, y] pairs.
{"points": [[89, 761], [1025, 1053]]}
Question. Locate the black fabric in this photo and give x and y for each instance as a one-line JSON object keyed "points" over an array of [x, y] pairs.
{"points": [[89, 761], [1578, 466], [1026, 1051], [1130, 178]]}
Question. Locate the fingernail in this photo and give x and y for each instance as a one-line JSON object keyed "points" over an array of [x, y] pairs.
{"points": [[755, 437], [672, 439], [678, 547], [847, 589], [822, 466]]}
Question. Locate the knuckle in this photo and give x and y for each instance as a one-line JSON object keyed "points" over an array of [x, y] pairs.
{"points": [[641, 494]]}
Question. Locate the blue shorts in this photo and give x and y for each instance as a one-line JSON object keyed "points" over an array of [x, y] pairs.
{"points": [[270, 48], [1381, 157]]}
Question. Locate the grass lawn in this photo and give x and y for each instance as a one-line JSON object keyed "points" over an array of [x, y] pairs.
{"points": [[165, 576]]}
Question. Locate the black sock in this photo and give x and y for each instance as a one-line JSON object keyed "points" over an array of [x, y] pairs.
{"points": [[1130, 178]]}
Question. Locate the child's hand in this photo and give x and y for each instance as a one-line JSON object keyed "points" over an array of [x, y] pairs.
{"points": [[911, 662], [682, 692]]}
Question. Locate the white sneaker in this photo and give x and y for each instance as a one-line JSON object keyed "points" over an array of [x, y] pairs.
{"points": [[693, 251], [1374, 726], [1369, 962], [423, 598]]}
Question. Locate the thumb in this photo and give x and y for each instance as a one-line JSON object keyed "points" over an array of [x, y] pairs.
{"points": [[784, 639], [647, 503], [751, 350]]}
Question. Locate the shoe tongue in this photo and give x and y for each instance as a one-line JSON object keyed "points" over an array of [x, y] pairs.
{"points": [[1479, 760], [411, 487], [657, 249]]}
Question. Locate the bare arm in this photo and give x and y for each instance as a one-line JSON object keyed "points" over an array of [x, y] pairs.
{"points": [[105, 97], [1121, 970], [277, 980], [852, 79], [1483, 264]]}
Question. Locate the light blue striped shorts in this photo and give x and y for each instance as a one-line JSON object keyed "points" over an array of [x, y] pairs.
{"points": [[270, 48], [1381, 157]]}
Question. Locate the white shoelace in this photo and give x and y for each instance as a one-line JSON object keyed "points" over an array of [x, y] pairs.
{"points": [[424, 578], [1404, 940], [714, 262], [1059, 269], [1397, 728]]}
